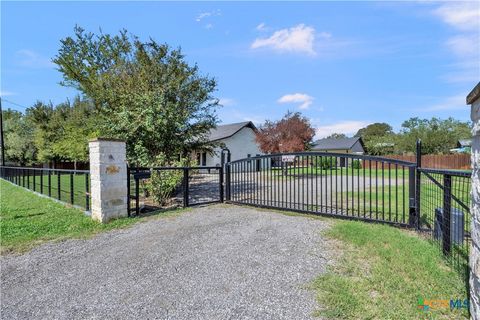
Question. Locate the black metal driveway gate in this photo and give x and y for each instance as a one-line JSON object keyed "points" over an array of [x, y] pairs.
{"points": [[342, 185], [173, 187], [436, 203]]}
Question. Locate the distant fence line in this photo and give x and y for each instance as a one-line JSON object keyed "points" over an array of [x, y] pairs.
{"points": [[437, 161], [63, 165], [71, 166]]}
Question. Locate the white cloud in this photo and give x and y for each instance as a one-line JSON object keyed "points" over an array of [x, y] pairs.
{"points": [[6, 93], [347, 127], [298, 39], [325, 35], [29, 58], [256, 120], [456, 102], [464, 45], [461, 15], [464, 17], [207, 14], [261, 27], [466, 70], [226, 102], [208, 26], [234, 115], [302, 98]]}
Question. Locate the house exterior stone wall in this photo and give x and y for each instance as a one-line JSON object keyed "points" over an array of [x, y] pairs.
{"points": [[108, 178], [474, 100]]}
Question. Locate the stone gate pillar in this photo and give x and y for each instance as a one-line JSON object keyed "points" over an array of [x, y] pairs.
{"points": [[474, 100], [108, 179]]}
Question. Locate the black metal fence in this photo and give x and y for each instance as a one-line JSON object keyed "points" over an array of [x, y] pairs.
{"points": [[69, 186], [434, 202], [341, 185], [155, 188], [444, 206]]}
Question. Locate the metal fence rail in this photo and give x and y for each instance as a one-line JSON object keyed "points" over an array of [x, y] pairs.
{"points": [[444, 207], [155, 188], [69, 186], [341, 185]]}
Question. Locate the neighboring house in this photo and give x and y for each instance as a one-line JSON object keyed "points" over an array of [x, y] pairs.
{"points": [[464, 143], [239, 138], [463, 146], [340, 145]]}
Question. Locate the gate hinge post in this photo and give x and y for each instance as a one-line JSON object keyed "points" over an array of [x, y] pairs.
{"points": [[221, 184], [412, 197], [185, 187], [227, 182]]}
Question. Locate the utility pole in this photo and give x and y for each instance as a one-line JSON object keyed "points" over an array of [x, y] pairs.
{"points": [[1, 133]]}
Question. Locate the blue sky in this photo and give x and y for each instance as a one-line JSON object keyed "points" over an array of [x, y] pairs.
{"points": [[342, 64]]}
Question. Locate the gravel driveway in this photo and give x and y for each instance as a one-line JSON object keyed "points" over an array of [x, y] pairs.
{"points": [[216, 262]]}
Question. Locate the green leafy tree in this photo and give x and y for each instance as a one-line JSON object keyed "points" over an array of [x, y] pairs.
{"points": [[373, 134], [145, 92], [381, 145], [18, 138], [337, 136], [45, 129], [79, 125], [437, 135], [377, 129]]}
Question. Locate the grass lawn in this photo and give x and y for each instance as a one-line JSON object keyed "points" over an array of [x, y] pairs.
{"points": [[382, 273], [27, 220], [392, 201], [40, 184], [389, 203]]}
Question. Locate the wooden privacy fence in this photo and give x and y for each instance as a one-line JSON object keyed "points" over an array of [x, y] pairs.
{"points": [[436, 161]]}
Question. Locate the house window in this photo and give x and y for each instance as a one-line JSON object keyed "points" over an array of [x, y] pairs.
{"points": [[201, 159]]}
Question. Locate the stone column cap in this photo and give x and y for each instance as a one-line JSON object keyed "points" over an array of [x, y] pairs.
{"points": [[474, 94]]}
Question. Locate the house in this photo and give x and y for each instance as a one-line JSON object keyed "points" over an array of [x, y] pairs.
{"points": [[463, 146], [464, 143], [339, 145], [239, 138]]}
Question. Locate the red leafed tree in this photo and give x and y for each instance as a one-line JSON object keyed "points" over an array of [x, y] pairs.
{"points": [[292, 133]]}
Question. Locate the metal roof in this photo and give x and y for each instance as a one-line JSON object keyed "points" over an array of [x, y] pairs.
{"points": [[228, 130], [464, 143], [334, 144]]}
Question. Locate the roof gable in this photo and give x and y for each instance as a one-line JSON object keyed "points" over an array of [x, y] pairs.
{"points": [[464, 143], [335, 144], [228, 130]]}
